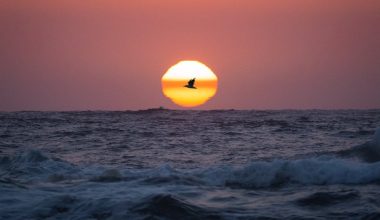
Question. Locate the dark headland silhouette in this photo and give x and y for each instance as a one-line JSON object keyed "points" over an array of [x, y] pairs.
{"points": [[190, 84]]}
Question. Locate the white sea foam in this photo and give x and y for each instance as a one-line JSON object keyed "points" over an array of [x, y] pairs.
{"points": [[106, 192], [34, 165], [313, 171]]}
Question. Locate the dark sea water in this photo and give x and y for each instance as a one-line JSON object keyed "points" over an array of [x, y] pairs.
{"points": [[167, 164]]}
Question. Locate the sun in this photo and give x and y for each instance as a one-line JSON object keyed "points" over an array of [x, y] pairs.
{"points": [[189, 83]]}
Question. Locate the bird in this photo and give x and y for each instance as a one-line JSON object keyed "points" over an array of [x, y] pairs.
{"points": [[190, 84]]}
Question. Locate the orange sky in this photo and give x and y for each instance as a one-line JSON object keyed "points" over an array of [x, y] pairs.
{"points": [[110, 55]]}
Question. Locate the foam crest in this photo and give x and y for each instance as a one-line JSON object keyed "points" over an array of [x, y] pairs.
{"points": [[314, 171], [33, 164]]}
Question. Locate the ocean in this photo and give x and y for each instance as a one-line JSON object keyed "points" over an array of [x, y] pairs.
{"points": [[185, 164]]}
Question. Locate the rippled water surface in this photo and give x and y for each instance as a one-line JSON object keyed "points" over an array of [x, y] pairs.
{"points": [[166, 164]]}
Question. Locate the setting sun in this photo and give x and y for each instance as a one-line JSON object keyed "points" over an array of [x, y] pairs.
{"points": [[189, 83]]}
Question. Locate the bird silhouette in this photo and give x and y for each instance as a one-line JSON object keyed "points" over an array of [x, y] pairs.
{"points": [[190, 84]]}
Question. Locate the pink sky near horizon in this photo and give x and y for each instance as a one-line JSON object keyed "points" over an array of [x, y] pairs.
{"points": [[111, 55]]}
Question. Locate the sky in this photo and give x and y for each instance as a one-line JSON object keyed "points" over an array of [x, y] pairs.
{"points": [[111, 55]]}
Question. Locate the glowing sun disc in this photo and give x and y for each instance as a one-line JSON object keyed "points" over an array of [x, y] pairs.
{"points": [[174, 80]]}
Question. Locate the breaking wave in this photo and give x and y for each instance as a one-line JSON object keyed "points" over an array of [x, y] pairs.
{"points": [[321, 170], [315, 171], [369, 152], [33, 165]]}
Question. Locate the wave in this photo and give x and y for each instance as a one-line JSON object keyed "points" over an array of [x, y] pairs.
{"points": [[259, 174], [328, 198], [33, 164], [368, 152], [166, 206], [111, 175], [268, 174], [155, 206], [320, 170], [314, 171], [354, 134]]}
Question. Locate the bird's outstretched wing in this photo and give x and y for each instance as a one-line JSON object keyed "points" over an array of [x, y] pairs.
{"points": [[191, 82]]}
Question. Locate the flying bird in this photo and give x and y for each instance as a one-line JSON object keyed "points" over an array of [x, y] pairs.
{"points": [[190, 84]]}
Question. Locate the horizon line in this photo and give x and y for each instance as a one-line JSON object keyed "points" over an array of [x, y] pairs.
{"points": [[217, 109]]}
